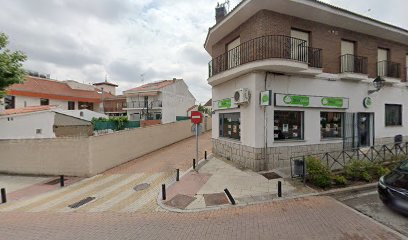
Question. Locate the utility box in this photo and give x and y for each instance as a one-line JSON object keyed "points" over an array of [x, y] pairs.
{"points": [[298, 167]]}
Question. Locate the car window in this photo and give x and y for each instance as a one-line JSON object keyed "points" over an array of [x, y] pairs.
{"points": [[404, 166], [397, 179]]}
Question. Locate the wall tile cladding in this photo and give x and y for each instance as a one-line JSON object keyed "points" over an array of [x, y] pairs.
{"points": [[271, 23], [276, 157]]}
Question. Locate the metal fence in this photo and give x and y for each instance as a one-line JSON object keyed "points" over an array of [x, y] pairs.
{"points": [[338, 159], [111, 125]]}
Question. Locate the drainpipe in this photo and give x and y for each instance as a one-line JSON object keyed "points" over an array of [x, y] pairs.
{"points": [[265, 155]]}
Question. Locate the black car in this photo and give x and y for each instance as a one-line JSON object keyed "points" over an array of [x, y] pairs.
{"points": [[393, 188]]}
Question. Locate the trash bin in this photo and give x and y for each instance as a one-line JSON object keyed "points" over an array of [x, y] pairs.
{"points": [[298, 167], [398, 139]]}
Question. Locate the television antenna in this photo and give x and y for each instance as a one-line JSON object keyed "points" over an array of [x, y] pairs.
{"points": [[142, 77], [226, 3]]}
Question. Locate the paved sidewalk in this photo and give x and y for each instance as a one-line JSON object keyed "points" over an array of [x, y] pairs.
{"points": [[205, 188], [131, 187], [308, 218]]}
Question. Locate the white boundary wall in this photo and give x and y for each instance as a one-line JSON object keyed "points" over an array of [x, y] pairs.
{"points": [[87, 156]]}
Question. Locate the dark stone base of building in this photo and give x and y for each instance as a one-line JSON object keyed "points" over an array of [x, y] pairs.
{"points": [[276, 157]]}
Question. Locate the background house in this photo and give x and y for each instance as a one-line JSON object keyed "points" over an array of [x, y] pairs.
{"points": [[68, 95], [162, 101], [41, 122]]}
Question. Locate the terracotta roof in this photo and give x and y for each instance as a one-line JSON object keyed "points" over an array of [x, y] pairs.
{"points": [[106, 83], [27, 110], [53, 89], [208, 103], [153, 86], [191, 108]]}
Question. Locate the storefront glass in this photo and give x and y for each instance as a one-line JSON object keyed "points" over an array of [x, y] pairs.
{"points": [[331, 125], [288, 125], [230, 124]]}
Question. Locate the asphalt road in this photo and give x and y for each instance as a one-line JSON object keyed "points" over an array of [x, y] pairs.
{"points": [[368, 203]]}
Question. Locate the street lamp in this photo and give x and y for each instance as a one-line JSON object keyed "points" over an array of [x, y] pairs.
{"points": [[378, 84]]}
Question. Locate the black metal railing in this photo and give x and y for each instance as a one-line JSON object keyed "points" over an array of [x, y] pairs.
{"points": [[144, 104], [266, 47], [388, 69], [353, 64], [338, 159]]}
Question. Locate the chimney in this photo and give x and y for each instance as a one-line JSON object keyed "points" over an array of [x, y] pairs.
{"points": [[220, 12]]}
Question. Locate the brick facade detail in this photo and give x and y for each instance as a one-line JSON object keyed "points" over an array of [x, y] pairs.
{"points": [[322, 36]]}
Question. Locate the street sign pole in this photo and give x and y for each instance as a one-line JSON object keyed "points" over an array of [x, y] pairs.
{"points": [[197, 143], [196, 119]]}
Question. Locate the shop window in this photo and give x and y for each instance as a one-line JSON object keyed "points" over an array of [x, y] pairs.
{"points": [[71, 105], [393, 115], [331, 125], [230, 125], [44, 102], [288, 125]]}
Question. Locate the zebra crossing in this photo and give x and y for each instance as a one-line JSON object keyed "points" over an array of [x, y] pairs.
{"points": [[112, 193]]}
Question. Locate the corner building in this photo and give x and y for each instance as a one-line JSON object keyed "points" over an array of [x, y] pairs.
{"points": [[291, 78]]}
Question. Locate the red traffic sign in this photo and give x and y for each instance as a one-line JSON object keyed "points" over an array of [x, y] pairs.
{"points": [[196, 117]]}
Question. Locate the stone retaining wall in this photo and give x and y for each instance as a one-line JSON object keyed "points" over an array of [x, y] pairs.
{"points": [[277, 157]]}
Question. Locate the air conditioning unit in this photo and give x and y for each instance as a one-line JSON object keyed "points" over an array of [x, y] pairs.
{"points": [[241, 96]]}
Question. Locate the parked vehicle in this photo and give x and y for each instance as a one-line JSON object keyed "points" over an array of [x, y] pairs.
{"points": [[393, 188]]}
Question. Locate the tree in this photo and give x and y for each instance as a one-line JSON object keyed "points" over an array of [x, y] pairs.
{"points": [[11, 65]]}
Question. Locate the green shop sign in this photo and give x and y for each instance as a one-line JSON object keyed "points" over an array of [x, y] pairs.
{"points": [[290, 100], [297, 100], [332, 102], [266, 98], [225, 103]]}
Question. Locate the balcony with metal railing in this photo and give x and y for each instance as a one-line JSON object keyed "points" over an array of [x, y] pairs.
{"points": [[272, 53], [157, 104], [353, 67], [389, 70]]}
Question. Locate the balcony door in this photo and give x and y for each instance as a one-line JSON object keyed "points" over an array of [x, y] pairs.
{"points": [[234, 53], [299, 45], [347, 56], [382, 59]]}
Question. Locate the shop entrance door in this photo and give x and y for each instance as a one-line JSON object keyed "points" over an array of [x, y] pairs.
{"points": [[358, 130], [365, 127]]}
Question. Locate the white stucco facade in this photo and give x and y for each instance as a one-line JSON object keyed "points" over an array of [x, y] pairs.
{"points": [[23, 101], [26, 126], [166, 103], [257, 122], [252, 115]]}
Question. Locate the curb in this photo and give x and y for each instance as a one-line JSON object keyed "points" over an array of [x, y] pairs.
{"points": [[348, 189], [165, 207]]}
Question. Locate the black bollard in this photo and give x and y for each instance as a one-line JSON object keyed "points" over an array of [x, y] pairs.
{"points": [[205, 155], [62, 181], [177, 175], [3, 195], [164, 191], [279, 189], [229, 196], [194, 164]]}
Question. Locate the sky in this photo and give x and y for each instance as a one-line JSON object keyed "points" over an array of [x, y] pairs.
{"points": [[133, 41]]}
